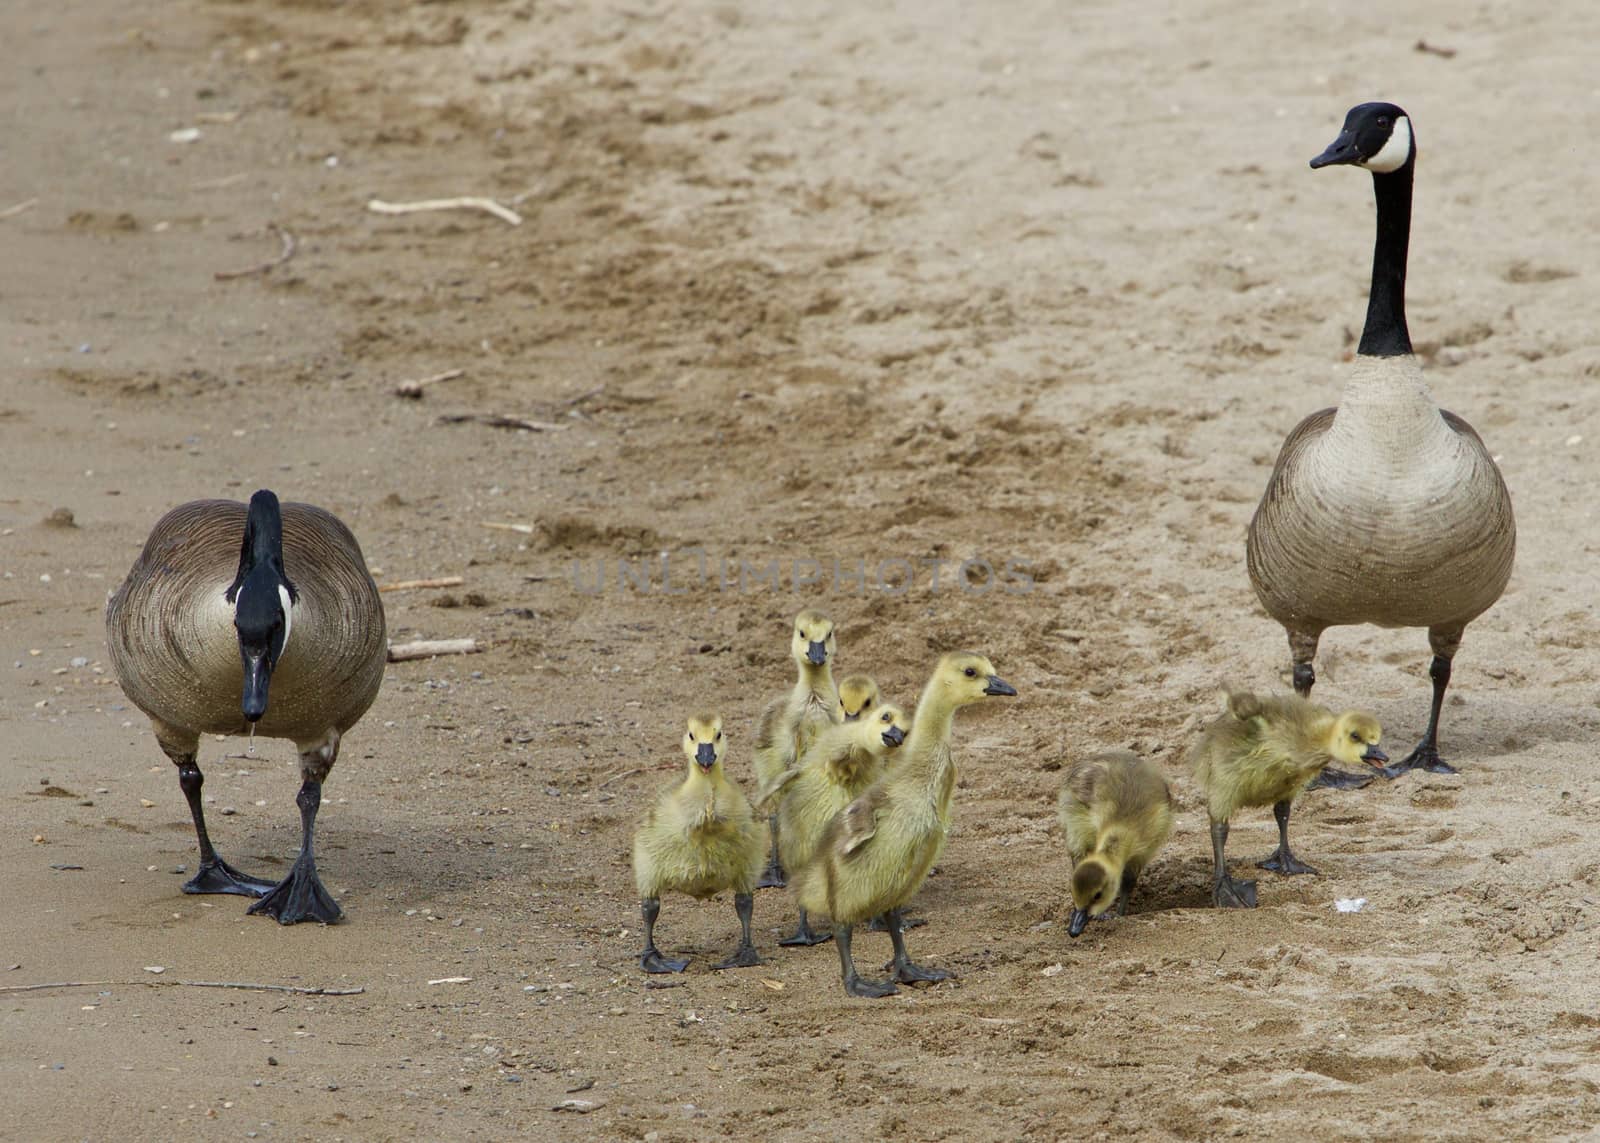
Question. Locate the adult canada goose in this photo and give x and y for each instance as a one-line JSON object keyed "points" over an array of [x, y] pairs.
{"points": [[877, 851], [200, 638], [842, 763], [858, 695], [791, 721], [699, 838], [1116, 812], [1386, 509], [1264, 751]]}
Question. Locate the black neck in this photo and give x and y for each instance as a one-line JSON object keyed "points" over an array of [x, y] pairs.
{"points": [[1386, 334], [263, 543]]}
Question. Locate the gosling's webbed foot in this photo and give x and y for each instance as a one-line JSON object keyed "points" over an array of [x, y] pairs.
{"points": [[1424, 757], [1284, 862], [745, 956], [1231, 894], [869, 989], [805, 936], [908, 973], [773, 877], [298, 897], [879, 925], [217, 876], [1331, 779], [651, 960]]}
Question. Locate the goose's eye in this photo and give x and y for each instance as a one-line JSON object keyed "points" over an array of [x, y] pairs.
{"points": [[971, 672]]}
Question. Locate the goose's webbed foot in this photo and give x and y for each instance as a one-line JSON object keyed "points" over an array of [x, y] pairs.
{"points": [[217, 876], [298, 897], [1424, 757], [1333, 779]]}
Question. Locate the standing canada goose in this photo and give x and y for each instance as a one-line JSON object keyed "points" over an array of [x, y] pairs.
{"points": [[201, 655], [1264, 751], [699, 838], [840, 765], [858, 695], [877, 851], [790, 722], [1387, 509], [1116, 813]]}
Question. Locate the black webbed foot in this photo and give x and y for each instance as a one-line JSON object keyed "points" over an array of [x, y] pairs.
{"points": [[1424, 757], [745, 956], [805, 936], [1231, 894], [869, 989], [1284, 862], [298, 897], [878, 925], [907, 972], [651, 960], [773, 877], [217, 876]]}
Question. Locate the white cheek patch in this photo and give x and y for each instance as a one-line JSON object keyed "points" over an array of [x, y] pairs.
{"points": [[288, 606], [1395, 152]]}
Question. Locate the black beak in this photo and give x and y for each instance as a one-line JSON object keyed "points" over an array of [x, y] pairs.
{"points": [[1076, 923], [705, 754], [998, 686], [894, 736], [817, 653], [257, 674], [1373, 755], [1341, 150]]}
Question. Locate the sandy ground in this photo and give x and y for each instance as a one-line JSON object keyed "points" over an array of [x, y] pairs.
{"points": [[799, 283]]}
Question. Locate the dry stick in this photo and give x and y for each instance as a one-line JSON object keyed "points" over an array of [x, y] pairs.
{"points": [[500, 421], [635, 770], [505, 214], [283, 256], [409, 584], [185, 984], [524, 529], [427, 648], [413, 389], [1434, 50], [19, 208]]}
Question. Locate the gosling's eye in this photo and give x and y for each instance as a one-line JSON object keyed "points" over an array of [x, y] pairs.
{"points": [[972, 672], [1355, 736], [719, 736]]}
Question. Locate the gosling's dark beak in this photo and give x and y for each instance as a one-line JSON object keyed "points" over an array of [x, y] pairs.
{"points": [[1076, 922], [257, 674], [894, 736], [998, 686], [1373, 755], [817, 653], [1341, 150], [705, 755]]}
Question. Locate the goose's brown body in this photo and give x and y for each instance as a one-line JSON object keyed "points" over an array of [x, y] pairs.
{"points": [[1386, 510], [176, 654]]}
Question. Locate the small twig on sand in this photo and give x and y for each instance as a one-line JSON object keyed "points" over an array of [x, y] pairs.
{"points": [[636, 770], [582, 397], [261, 268], [248, 986], [504, 214], [28, 204], [413, 389], [500, 421], [409, 584], [427, 648], [524, 529], [1430, 49]]}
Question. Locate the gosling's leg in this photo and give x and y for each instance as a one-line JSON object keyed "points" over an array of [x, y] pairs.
{"points": [[1283, 861], [300, 896], [881, 924], [904, 971], [773, 877], [853, 984], [745, 955], [804, 934], [1426, 755], [1226, 893], [215, 875], [651, 959]]}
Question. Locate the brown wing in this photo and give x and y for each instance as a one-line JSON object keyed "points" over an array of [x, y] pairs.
{"points": [[858, 821], [775, 787], [1313, 426], [1087, 777]]}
